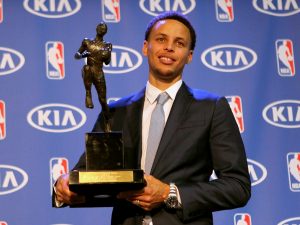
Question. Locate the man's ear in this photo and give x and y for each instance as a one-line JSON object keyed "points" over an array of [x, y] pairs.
{"points": [[145, 48], [190, 57]]}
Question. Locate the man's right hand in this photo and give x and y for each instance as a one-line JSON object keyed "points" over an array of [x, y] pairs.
{"points": [[63, 193]]}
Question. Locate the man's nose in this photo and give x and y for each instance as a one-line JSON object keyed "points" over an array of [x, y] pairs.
{"points": [[169, 46]]}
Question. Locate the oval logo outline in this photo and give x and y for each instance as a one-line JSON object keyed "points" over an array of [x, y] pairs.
{"points": [[30, 10], [265, 110], [262, 168], [22, 172], [252, 53], [255, 5], [19, 55], [142, 6], [289, 220], [31, 113], [134, 52]]}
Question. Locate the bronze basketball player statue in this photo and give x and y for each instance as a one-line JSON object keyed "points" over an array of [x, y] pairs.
{"points": [[97, 52], [105, 173]]}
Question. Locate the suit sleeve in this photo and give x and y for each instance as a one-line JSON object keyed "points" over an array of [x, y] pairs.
{"points": [[232, 188]]}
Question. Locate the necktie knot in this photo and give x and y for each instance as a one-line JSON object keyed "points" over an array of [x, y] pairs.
{"points": [[162, 98]]}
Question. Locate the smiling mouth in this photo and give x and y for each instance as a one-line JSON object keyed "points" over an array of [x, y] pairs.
{"points": [[166, 60]]}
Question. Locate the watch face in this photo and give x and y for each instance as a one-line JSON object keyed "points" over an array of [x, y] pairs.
{"points": [[172, 202]]}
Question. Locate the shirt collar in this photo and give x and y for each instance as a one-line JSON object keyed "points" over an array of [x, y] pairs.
{"points": [[152, 92]]}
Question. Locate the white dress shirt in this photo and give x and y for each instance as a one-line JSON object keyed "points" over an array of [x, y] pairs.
{"points": [[149, 105], [151, 95]]}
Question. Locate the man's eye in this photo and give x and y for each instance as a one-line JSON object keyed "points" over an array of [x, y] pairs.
{"points": [[180, 44], [161, 39]]}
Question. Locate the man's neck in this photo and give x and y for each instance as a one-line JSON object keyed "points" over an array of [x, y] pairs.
{"points": [[162, 84]]}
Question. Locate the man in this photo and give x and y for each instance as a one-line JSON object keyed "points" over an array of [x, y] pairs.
{"points": [[200, 136]]}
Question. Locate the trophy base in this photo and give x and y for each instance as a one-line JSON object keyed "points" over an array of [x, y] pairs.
{"points": [[106, 182]]}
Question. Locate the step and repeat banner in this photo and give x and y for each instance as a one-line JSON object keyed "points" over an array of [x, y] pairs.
{"points": [[247, 50]]}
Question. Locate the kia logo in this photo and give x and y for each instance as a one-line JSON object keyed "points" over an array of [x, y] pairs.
{"points": [[123, 60], [257, 171], [156, 7], [10, 61], [228, 58], [12, 179], [277, 8], [56, 118], [284, 113], [52, 9], [290, 221]]}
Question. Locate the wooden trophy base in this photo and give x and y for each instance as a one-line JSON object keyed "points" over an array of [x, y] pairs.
{"points": [[105, 174]]}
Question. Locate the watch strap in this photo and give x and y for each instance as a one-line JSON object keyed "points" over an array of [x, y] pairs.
{"points": [[172, 201]]}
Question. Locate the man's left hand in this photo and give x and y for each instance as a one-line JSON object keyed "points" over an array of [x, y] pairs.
{"points": [[150, 197]]}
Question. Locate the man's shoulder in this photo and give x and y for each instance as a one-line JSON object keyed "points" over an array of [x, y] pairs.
{"points": [[202, 95]]}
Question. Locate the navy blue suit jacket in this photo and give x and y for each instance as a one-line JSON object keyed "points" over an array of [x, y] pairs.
{"points": [[200, 136]]}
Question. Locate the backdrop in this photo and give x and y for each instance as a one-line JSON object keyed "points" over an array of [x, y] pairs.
{"points": [[248, 51]]}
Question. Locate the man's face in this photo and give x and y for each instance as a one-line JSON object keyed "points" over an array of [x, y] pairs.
{"points": [[168, 50]]}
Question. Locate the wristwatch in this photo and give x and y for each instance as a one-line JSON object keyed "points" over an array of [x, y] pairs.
{"points": [[172, 201]]}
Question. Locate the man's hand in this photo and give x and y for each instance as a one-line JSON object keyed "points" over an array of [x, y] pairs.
{"points": [[150, 197], [63, 193]]}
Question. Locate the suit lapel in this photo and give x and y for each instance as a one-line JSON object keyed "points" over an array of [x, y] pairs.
{"points": [[180, 107], [134, 123]]}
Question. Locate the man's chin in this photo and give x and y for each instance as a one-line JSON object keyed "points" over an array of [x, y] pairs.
{"points": [[169, 77]]}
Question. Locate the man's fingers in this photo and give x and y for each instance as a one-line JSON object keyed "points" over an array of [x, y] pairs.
{"points": [[63, 193], [130, 194], [70, 198]]}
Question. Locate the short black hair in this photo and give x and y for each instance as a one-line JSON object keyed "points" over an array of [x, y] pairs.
{"points": [[174, 16]]}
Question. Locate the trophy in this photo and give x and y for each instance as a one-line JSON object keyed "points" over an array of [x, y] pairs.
{"points": [[104, 174]]}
